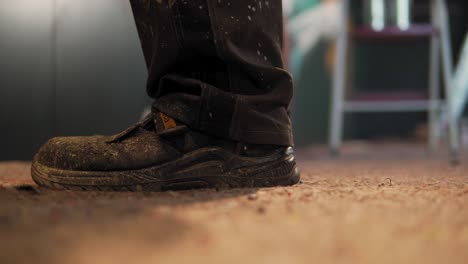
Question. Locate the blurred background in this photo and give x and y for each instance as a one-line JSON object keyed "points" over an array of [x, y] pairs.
{"points": [[76, 68]]}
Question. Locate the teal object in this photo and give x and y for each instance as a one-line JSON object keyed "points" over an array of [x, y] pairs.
{"points": [[302, 5], [297, 55], [460, 82], [312, 98]]}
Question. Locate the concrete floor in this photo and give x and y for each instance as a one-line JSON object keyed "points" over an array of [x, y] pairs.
{"points": [[375, 204]]}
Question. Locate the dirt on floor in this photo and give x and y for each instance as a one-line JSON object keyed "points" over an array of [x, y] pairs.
{"points": [[396, 208]]}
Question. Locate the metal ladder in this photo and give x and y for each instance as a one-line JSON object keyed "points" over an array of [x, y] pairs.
{"points": [[440, 48]]}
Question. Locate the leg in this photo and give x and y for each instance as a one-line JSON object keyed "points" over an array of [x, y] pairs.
{"points": [[145, 20], [220, 117], [217, 66]]}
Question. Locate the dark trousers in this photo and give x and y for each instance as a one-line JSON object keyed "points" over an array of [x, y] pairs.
{"points": [[216, 66]]}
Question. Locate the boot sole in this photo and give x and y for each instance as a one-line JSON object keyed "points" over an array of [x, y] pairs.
{"points": [[206, 168]]}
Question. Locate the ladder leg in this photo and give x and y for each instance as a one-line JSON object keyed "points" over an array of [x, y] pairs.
{"points": [[448, 76], [339, 78], [434, 91]]}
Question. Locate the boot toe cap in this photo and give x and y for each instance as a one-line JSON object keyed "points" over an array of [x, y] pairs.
{"points": [[69, 153], [96, 153]]}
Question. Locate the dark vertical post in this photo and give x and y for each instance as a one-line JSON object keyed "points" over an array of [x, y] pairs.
{"points": [[53, 62]]}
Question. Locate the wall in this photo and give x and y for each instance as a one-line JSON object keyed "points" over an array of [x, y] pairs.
{"points": [[81, 73]]}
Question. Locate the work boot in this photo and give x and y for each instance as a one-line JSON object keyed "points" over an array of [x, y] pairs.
{"points": [[159, 154]]}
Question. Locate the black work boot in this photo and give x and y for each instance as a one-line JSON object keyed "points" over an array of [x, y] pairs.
{"points": [[160, 154]]}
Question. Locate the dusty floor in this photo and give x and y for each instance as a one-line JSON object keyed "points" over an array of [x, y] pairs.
{"points": [[395, 207]]}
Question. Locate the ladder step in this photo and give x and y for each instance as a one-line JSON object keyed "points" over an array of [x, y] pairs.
{"points": [[395, 95], [390, 106], [415, 31]]}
